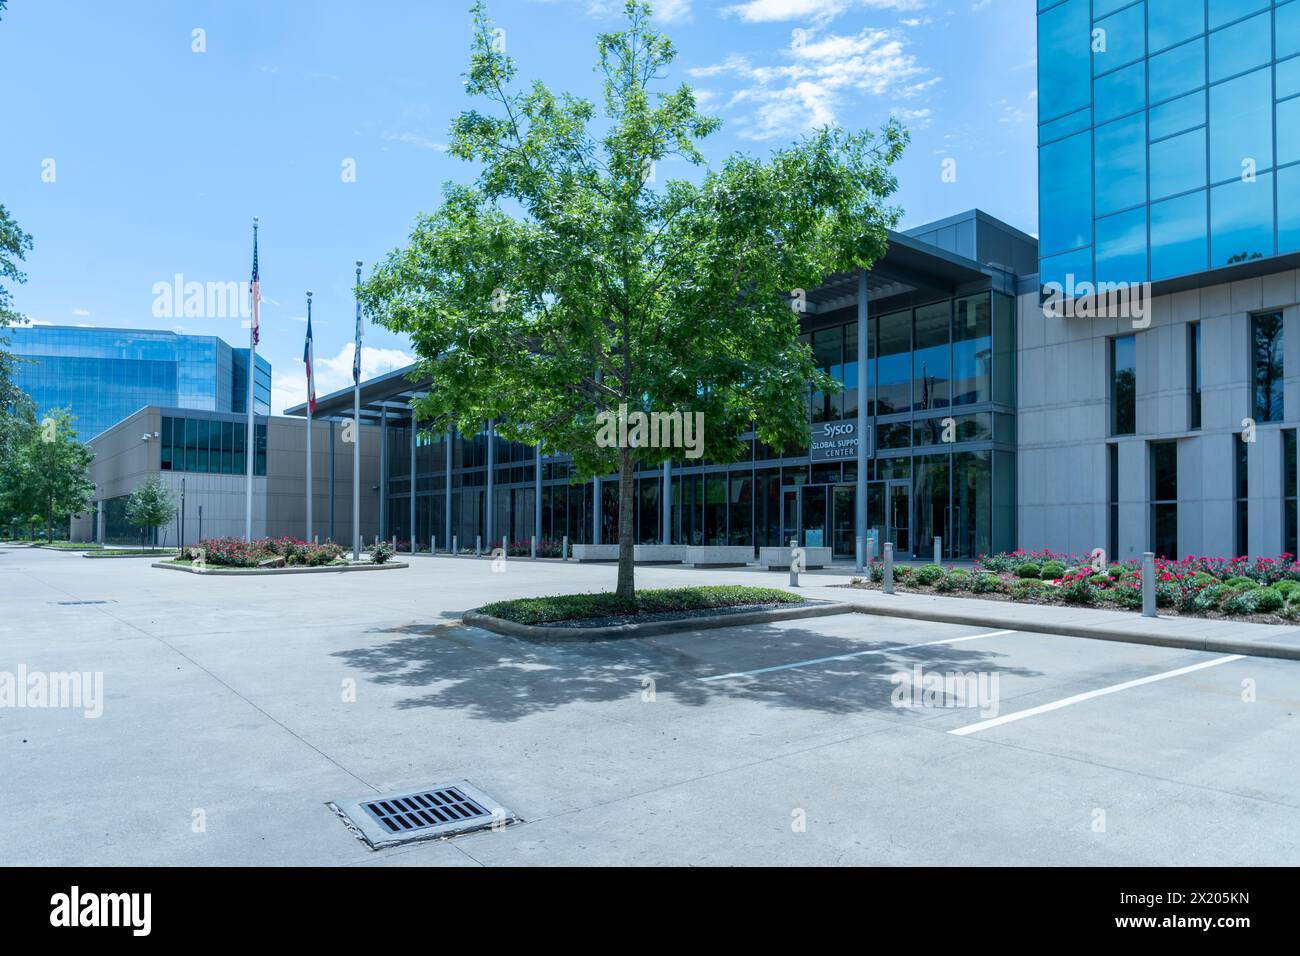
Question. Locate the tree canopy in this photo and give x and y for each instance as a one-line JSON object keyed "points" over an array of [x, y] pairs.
{"points": [[568, 283]]}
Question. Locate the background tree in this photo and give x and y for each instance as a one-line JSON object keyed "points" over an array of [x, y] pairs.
{"points": [[51, 472], [151, 506], [564, 283]]}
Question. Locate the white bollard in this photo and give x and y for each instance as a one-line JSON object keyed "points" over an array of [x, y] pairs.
{"points": [[534, 557], [455, 545], [938, 550], [889, 568], [478, 546], [564, 549], [860, 550]]}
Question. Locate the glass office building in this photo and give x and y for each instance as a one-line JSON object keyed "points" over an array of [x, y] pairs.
{"points": [[104, 375], [940, 400], [1169, 134]]}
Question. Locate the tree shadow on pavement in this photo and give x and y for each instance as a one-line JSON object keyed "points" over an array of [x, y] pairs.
{"points": [[493, 677]]}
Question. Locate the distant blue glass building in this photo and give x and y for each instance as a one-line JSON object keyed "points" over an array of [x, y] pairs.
{"points": [[104, 375], [1169, 134]]}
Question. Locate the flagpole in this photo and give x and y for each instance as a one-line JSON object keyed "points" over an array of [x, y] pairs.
{"points": [[356, 430], [250, 452], [308, 539]]}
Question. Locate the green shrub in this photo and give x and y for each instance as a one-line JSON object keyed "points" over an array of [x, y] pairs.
{"points": [[1028, 571], [927, 574], [1101, 580], [1268, 601], [573, 607], [381, 551], [1286, 587], [1241, 582], [1241, 601], [1116, 571], [1052, 570], [902, 572], [1027, 589], [1125, 596], [955, 580], [986, 583], [1078, 591]]}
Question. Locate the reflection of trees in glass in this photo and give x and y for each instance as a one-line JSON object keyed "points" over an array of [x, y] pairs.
{"points": [[1266, 343], [1244, 257], [1125, 401]]}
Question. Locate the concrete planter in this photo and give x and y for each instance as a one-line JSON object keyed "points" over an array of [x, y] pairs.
{"points": [[778, 559], [595, 552], [720, 556], [659, 553]]}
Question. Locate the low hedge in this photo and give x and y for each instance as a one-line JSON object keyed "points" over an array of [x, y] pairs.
{"points": [[577, 607]]}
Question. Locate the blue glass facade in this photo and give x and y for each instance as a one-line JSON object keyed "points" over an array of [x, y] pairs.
{"points": [[1169, 134], [104, 375]]}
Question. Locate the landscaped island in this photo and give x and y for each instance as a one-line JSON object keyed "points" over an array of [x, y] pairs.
{"points": [[1264, 590], [607, 606], [270, 555]]}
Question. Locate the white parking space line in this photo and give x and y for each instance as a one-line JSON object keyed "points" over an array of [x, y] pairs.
{"points": [[848, 657], [1079, 698]]}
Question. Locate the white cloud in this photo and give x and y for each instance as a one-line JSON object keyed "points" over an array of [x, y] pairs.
{"points": [[818, 11], [289, 388], [415, 139], [81, 312], [672, 11], [806, 91]]}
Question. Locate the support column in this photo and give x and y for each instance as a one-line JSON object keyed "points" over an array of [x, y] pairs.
{"points": [[491, 483], [860, 487], [537, 493], [414, 436], [451, 438], [595, 510], [331, 536], [383, 475], [99, 521], [666, 500]]}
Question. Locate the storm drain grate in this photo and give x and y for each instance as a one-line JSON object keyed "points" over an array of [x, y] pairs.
{"points": [[70, 603], [426, 814]]}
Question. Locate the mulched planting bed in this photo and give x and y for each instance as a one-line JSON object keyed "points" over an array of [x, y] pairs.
{"points": [[1263, 591]]}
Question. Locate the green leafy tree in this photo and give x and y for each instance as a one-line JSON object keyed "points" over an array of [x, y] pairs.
{"points": [[151, 506], [51, 471], [565, 285]]}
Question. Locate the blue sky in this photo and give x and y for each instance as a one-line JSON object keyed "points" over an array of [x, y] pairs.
{"points": [[162, 155]]}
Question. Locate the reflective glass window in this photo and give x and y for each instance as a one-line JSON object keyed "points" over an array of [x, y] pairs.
{"points": [[1059, 269], [1267, 345], [1287, 29], [1241, 125], [1123, 385], [894, 363], [1178, 164], [1288, 76], [1177, 115], [1172, 21], [972, 350], [1241, 47], [1124, 39], [1065, 194], [1063, 59], [1288, 209], [1288, 131], [1179, 238], [931, 357], [1177, 71], [1121, 92], [1122, 247], [1121, 167], [1065, 126], [1241, 221], [1225, 11]]}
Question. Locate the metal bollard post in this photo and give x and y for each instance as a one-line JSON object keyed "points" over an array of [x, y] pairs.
{"points": [[564, 549], [505, 548], [889, 568], [455, 545], [433, 544], [534, 548], [1149, 584], [938, 550], [860, 548], [796, 556], [873, 544], [478, 546]]}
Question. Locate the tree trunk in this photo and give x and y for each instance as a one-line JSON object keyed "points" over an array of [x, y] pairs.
{"points": [[626, 524]]}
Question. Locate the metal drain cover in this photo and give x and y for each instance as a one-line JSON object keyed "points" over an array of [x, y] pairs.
{"points": [[430, 813], [72, 603]]}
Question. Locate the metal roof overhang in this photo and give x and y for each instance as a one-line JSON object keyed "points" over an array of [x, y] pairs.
{"points": [[908, 267]]}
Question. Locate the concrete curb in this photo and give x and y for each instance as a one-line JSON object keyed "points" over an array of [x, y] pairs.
{"points": [[228, 572], [1091, 631], [108, 557], [584, 635]]}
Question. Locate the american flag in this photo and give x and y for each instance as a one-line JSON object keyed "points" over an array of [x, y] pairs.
{"points": [[307, 360], [257, 288]]}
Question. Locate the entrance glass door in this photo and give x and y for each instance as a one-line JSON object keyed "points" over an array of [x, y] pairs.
{"points": [[843, 518], [900, 516], [813, 516], [789, 515]]}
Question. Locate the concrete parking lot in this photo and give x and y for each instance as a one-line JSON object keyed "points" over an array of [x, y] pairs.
{"points": [[234, 709]]}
